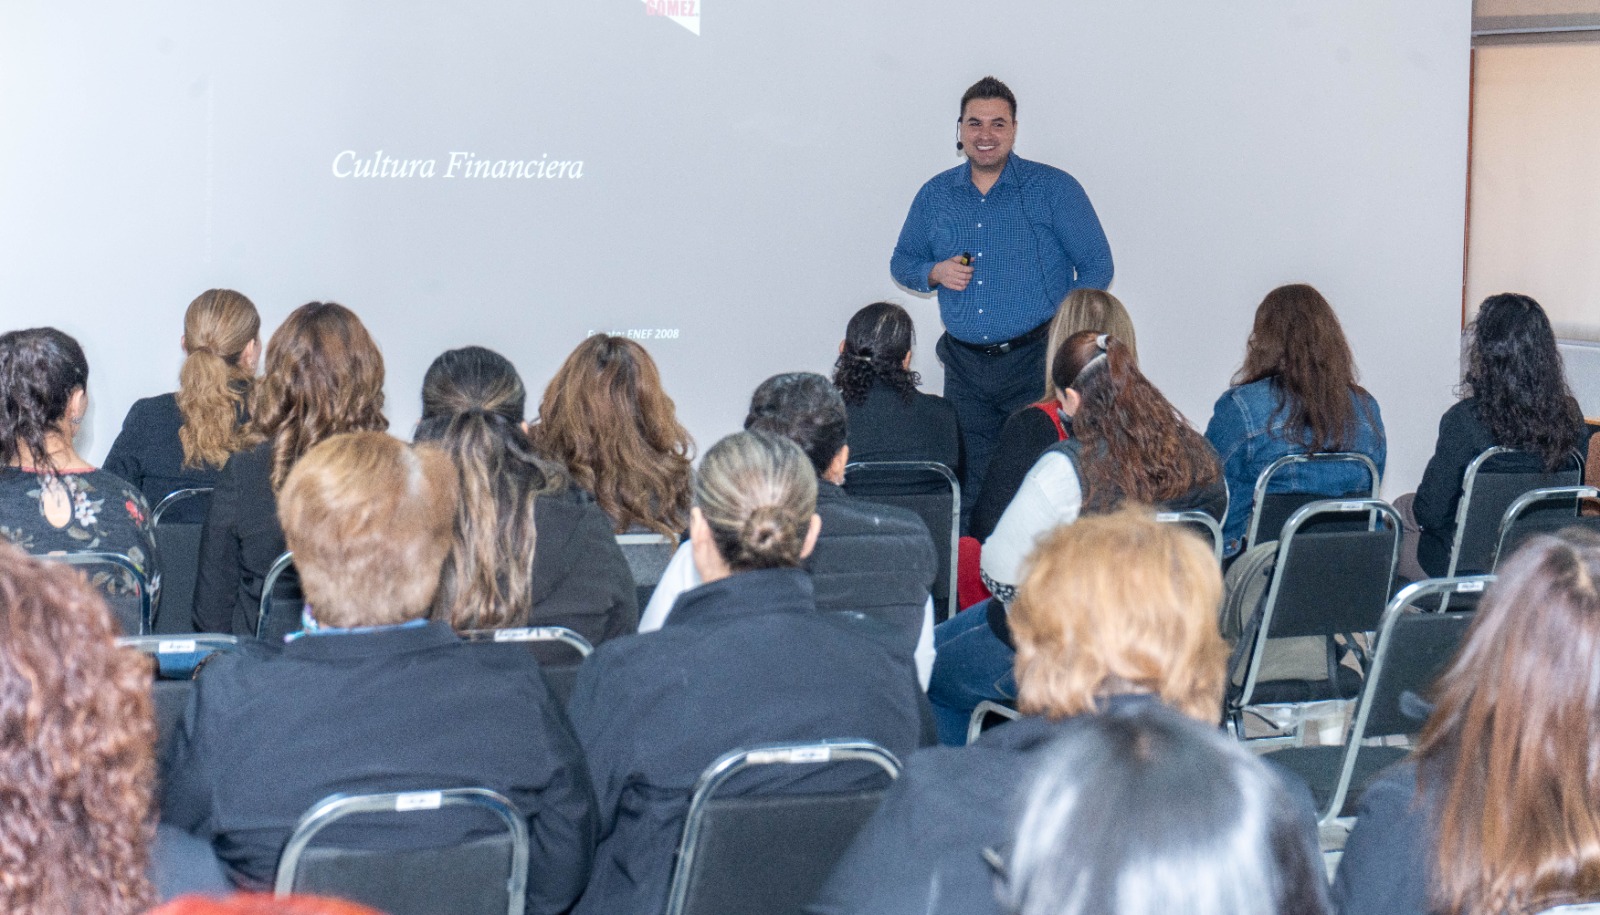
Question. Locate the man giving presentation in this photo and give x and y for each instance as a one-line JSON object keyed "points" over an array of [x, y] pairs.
{"points": [[1003, 240]]}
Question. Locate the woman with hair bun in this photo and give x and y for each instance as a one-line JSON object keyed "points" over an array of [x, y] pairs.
{"points": [[181, 440], [744, 659], [529, 550], [324, 376], [890, 420], [51, 499]]}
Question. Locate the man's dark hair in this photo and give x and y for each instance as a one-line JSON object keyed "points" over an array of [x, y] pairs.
{"points": [[804, 408], [988, 87]]}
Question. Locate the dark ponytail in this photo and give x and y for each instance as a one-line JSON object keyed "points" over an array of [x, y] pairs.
{"points": [[875, 345], [39, 370]]}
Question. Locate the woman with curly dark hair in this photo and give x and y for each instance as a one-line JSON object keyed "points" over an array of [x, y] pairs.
{"points": [[606, 418], [324, 376], [1296, 393], [1516, 396], [1128, 444], [890, 420], [51, 499], [528, 550], [78, 749]]}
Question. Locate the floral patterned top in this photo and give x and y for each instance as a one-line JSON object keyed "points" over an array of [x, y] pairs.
{"points": [[78, 512]]}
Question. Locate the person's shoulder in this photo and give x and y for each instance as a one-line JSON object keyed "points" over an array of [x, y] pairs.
{"points": [[1038, 172], [152, 409]]}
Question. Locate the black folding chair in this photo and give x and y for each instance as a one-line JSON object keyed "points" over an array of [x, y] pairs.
{"points": [[281, 600], [1411, 649], [1493, 481], [1270, 511], [559, 650], [768, 854], [988, 714], [486, 876], [1330, 583], [1543, 511], [1199, 522], [174, 662], [128, 592], [648, 554], [178, 555], [931, 490]]}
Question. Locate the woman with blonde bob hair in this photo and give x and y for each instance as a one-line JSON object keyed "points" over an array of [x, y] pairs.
{"points": [[1498, 810], [181, 440], [1116, 612], [324, 376]]}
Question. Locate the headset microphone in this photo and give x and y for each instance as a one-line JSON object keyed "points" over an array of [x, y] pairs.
{"points": [[960, 147]]}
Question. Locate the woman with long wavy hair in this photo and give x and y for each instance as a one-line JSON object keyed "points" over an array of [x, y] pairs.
{"points": [[324, 376], [1296, 393], [528, 550], [1515, 396], [1498, 810], [181, 440], [606, 419], [1128, 444], [890, 420], [78, 749]]}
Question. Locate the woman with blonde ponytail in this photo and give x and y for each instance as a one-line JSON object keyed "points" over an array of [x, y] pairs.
{"points": [[529, 549], [181, 440], [744, 659]]}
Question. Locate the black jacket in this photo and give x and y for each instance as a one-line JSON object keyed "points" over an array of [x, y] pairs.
{"points": [[239, 543], [148, 454], [888, 427], [1025, 436], [580, 578], [1462, 437], [873, 559], [742, 661], [1388, 857], [270, 732]]}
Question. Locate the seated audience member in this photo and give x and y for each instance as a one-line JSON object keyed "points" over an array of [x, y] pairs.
{"points": [[1150, 814], [1029, 431], [529, 550], [372, 697], [78, 736], [1129, 443], [180, 441], [890, 420], [1516, 397], [1295, 394], [51, 499], [1498, 809], [1116, 612], [324, 376], [870, 558], [606, 419], [745, 659]]}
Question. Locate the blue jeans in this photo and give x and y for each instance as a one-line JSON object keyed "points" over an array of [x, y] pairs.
{"points": [[972, 665]]}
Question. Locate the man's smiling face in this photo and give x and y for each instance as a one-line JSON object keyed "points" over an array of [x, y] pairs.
{"points": [[987, 131]]}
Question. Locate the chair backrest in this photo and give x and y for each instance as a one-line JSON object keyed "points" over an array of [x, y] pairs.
{"points": [[1199, 522], [1486, 496], [559, 650], [648, 555], [176, 660], [132, 610], [767, 854], [279, 613], [482, 877], [1411, 649], [988, 714], [1270, 511], [932, 491], [1543, 511], [1327, 583], [178, 555]]}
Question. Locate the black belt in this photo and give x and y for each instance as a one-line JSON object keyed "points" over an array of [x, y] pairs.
{"points": [[1000, 349]]}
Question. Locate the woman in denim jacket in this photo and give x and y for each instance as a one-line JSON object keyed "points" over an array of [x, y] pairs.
{"points": [[1295, 394]]}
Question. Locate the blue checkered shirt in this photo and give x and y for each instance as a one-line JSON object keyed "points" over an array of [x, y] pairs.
{"points": [[1033, 238]]}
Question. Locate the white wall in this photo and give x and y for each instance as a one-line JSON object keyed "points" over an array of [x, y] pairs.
{"points": [[742, 187]]}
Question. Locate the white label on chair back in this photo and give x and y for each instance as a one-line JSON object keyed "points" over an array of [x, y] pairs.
{"points": [[418, 800], [1165, 517], [1351, 506], [798, 755], [175, 646], [1468, 586], [513, 635]]}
